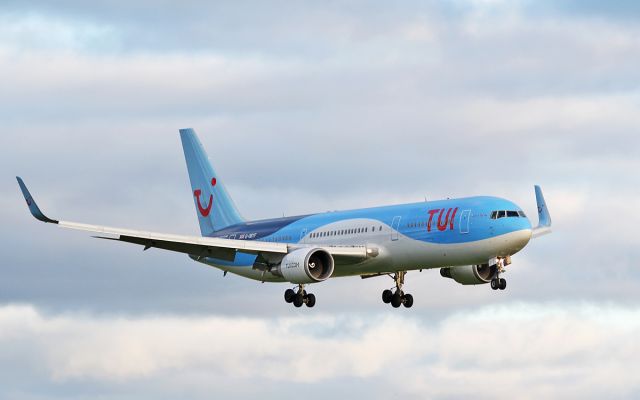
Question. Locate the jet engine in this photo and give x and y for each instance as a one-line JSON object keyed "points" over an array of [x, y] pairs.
{"points": [[307, 265], [470, 274]]}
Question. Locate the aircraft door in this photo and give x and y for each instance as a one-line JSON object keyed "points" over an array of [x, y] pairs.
{"points": [[395, 226], [464, 221]]}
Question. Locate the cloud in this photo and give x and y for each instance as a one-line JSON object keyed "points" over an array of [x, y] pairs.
{"points": [[531, 350], [310, 109]]}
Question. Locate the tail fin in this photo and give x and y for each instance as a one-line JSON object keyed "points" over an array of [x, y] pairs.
{"points": [[214, 207]]}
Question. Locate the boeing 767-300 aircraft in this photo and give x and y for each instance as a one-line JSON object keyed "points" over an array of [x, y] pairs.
{"points": [[470, 239]]}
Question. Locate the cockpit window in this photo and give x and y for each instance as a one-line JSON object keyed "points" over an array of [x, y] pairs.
{"points": [[507, 214]]}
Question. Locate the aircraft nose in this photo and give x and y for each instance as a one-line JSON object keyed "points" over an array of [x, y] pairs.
{"points": [[520, 238]]}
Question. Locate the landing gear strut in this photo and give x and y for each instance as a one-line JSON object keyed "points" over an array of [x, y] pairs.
{"points": [[300, 297], [497, 282], [397, 297]]}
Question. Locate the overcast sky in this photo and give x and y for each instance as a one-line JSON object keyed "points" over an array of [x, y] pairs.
{"points": [[309, 107]]}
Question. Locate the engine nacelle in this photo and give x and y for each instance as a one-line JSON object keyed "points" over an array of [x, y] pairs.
{"points": [[307, 265], [470, 274]]}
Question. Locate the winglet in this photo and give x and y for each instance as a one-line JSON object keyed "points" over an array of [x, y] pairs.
{"points": [[33, 207], [544, 218]]}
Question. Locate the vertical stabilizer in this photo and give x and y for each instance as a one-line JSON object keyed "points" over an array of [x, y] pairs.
{"points": [[214, 207]]}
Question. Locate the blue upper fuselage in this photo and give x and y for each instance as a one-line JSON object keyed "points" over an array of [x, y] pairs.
{"points": [[444, 221]]}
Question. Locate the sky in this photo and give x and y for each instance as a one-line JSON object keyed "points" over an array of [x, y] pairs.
{"points": [[307, 107]]}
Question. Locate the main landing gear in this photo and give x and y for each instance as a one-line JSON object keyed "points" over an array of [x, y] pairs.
{"points": [[300, 297], [397, 297], [497, 282]]}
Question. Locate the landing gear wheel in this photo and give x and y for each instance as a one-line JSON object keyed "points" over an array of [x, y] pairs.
{"points": [[310, 300], [495, 284], [502, 284], [298, 300], [386, 296], [396, 299], [289, 294], [407, 300]]}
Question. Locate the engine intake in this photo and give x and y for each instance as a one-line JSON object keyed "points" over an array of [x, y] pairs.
{"points": [[306, 265], [470, 274]]}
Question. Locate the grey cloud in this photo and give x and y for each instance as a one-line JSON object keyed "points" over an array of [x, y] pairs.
{"points": [[534, 348], [331, 109]]}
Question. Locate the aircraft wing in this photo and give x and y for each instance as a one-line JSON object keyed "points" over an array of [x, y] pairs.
{"points": [[224, 249]]}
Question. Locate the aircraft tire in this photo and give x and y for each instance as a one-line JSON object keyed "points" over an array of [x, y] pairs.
{"points": [[311, 300], [396, 300], [407, 300], [298, 300], [289, 294], [503, 284], [386, 296]]}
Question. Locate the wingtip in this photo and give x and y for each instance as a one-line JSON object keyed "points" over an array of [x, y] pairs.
{"points": [[544, 217], [31, 203]]}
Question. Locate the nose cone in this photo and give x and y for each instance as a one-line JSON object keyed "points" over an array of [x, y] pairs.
{"points": [[520, 234], [519, 239]]}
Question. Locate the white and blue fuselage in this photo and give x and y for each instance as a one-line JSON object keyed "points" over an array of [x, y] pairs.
{"points": [[434, 234]]}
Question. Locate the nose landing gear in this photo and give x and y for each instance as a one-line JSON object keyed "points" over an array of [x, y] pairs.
{"points": [[497, 282], [397, 297], [300, 297]]}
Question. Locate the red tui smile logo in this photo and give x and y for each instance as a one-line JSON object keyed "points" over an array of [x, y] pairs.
{"points": [[205, 211]]}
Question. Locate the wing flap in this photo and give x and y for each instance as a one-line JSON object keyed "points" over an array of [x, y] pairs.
{"points": [[184, 244]]}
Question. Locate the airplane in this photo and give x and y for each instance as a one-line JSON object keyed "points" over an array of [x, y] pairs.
{"points": [[471, 240]]}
